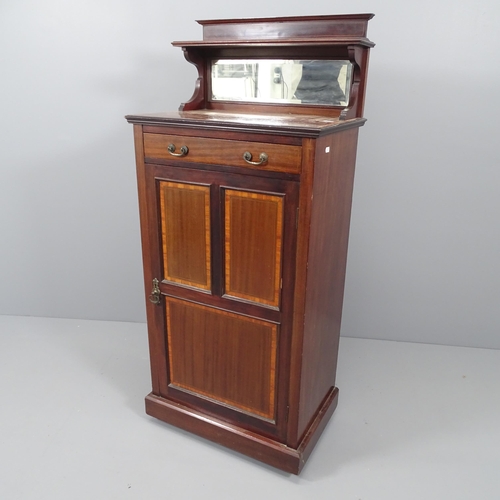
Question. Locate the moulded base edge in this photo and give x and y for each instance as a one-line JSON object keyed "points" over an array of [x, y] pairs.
{"points": [[244, 441]]}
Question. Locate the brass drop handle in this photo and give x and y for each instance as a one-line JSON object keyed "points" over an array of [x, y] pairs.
{"points": [[155, 296], [183, 151], [248, 158]]}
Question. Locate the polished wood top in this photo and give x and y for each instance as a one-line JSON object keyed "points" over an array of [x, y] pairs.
{"points": [[285, 124], [285, 42], [309, 29]]}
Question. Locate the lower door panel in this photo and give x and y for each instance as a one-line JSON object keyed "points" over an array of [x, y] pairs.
{"points": [[225, 357]]}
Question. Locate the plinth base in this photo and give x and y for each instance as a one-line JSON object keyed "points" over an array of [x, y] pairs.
{"points": [[241, 440]]}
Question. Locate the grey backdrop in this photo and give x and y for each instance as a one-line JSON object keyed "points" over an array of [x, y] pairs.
{"points": [[424, 248]]}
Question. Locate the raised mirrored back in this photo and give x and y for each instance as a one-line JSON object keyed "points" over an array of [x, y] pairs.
{"points": [[320, 82]]}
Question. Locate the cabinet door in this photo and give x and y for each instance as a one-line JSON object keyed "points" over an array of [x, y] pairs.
{"points": [[224, 263], [253, 246], [223, 356], [185, 233]]}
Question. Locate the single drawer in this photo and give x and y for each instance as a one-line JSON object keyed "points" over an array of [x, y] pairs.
{"points": [[259, 155]]}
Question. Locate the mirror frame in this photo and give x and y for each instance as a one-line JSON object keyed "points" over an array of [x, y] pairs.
{"points": [[345, 89]]}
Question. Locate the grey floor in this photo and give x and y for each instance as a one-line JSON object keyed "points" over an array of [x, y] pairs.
{"points": [[414, 422]]}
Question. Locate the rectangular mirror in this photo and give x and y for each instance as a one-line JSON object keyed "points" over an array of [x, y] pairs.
{"points": [[321, 82]]}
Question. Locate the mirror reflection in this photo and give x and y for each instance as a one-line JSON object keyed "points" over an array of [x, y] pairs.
{"points": [[321, 82]]}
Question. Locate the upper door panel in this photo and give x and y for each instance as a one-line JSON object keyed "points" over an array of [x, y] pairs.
{"points": [[185, 233], [253, 235]]}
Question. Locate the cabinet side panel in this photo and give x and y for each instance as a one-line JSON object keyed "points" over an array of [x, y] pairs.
{"points": [[151, 269], [329, 232]]}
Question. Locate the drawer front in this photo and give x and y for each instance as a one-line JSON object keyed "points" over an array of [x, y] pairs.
{"points": [[280, 157]]}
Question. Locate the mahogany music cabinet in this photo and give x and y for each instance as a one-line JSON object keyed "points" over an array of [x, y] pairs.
{"points": [[245, 198]]}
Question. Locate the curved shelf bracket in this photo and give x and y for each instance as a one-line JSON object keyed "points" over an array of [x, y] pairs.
{"points": [[198, 99], [358, 57]]}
